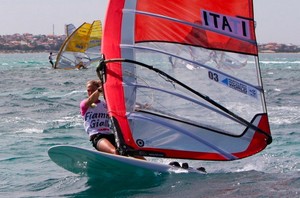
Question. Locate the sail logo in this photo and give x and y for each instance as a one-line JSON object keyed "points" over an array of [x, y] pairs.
{"points": [[233, 84], [237, 86], [95, 41], [231, 26], [240, 87], [79, 46]]}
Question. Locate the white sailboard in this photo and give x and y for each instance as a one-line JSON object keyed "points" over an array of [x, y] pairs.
{"points": [[96, 164]]}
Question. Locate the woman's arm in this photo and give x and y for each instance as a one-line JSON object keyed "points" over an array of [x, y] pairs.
{"points": [[93, 98]]}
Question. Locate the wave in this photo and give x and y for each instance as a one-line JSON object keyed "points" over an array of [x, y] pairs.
{"points": [[280, 62]]}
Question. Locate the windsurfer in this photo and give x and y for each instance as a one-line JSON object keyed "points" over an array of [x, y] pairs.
{"points": [[80, 65], [96, 120], [95, 116], [51, 60]]}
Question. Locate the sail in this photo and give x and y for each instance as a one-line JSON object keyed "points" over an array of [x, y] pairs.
{"points": [[69, 29], [82, 47], [182, 79]]}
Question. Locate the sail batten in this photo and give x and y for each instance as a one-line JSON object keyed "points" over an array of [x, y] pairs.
{"points": [[182, 80]]}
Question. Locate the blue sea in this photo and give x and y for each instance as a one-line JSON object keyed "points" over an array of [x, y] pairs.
{"points": [[40, 109]]}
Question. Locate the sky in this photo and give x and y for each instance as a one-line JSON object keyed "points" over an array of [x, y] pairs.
{"points": [[277, 20]]}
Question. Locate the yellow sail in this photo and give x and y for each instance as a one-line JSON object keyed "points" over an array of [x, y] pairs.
{"points": [[80, 39], [81, 48], [96, 34]]}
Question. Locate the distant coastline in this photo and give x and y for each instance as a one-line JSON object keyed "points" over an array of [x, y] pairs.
{"points": [[29, 43], [278, 48]]}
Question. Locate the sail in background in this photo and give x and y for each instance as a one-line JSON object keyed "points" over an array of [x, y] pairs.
{"points": [[69, 29], [205, 58], [82, 47]]}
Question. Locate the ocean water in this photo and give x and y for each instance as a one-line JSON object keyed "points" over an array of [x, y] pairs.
{"points": [[39, 109]]}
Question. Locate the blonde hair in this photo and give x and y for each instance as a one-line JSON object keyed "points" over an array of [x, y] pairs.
{"points": [[96, 83]]}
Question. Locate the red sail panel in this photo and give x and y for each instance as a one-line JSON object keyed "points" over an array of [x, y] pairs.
{"points": [[228, 27], [259, 141], [111, 49]]}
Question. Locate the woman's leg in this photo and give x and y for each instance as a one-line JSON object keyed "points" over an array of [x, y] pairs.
{"points": [[105, 146]]}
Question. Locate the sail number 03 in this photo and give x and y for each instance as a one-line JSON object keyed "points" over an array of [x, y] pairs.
{"points": [[213, 76]]}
